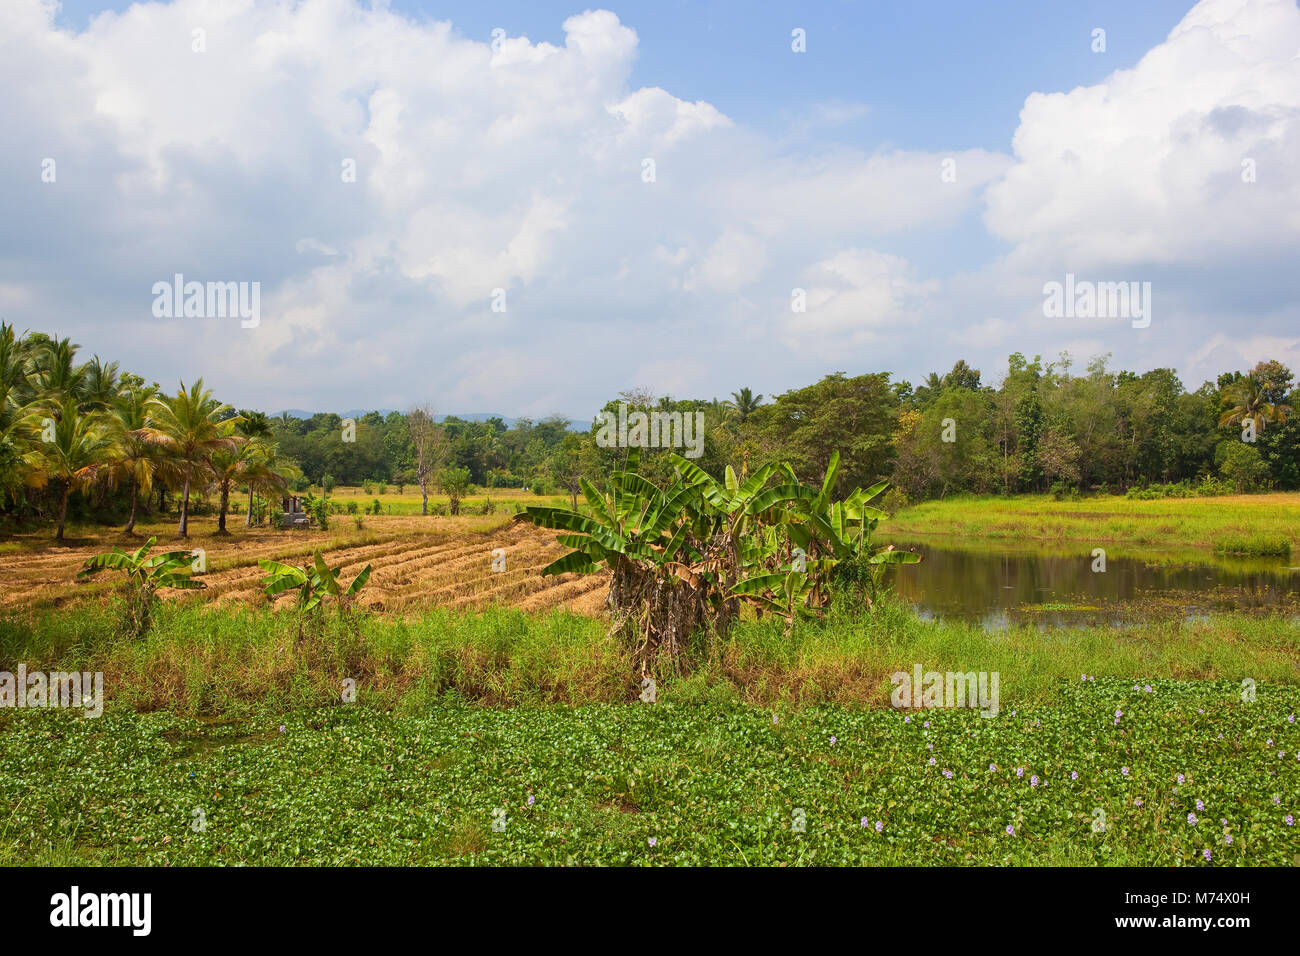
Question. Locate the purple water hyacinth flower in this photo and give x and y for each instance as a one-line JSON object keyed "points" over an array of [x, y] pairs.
{"points": [[1223, 820], [929, 746], [1199, 805], [1074, 775], [948, 774], [1123, 771], [1011, 830], [1083, 677], [1289, 820], [1227, 838], [1291, 719], [653, 841], [1020, 771], [1033, 781], [864, 823], [1137, 802], [832, 740], [282, 728], [1276, 801], [879, 827], [1191, 818], [1206, 851], [927, 724], [907, 720], [1180, 778], [1119, 713], [1147, 688], [531, 799], [933, 761]]}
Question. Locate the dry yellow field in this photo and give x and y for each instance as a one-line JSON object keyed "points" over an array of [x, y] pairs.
{"points": [[416, 562]]}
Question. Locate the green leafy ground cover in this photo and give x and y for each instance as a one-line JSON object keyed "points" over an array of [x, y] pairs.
{"points": [[669, 783]]}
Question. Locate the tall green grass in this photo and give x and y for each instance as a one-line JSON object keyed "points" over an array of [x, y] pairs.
{"points": [[1169, 522], [1257, 544], [202, 660]]}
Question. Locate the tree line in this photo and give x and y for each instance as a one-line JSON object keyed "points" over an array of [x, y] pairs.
{"points": [[86, 436]]}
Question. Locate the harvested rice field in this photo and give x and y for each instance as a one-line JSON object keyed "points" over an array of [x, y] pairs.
{"points": [[416, 562]]}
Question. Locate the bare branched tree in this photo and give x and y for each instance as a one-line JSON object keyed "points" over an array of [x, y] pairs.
{"points": [[428, 447]]}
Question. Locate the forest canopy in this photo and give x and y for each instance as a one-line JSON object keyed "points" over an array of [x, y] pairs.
{"points": [[87, 434]]}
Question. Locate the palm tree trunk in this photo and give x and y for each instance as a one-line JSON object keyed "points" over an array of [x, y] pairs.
{"points": [[130, 524], [225, 503], [63, 510], [248, 518], [185, 509]]}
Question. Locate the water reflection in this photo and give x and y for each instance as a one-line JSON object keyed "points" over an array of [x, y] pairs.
{"points": [[1054, 587]]}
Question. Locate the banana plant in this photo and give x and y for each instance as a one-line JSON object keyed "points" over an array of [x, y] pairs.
{"points": [[327, 582], [313, 582], [145, 575], [287, 577], [683, 557]]}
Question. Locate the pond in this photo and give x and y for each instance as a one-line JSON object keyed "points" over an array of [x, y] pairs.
{"points": [[1053, 587]]}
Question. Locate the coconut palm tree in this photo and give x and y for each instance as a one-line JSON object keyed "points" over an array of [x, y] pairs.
{"points": [[1245, 400], [244, 462], [15, 405], [191, 425], [744, 402], [134, 458], [257, 427], [99, 385], [55, 374], [72, 450]]}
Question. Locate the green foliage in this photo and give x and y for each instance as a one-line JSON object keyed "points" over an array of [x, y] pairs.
{"points": [[455, 484], [683, 557], [313, 583], [715, 783], [145, 575], [1242, 465]]}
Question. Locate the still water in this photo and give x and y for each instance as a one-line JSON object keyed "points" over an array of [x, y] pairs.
{"points": [[1002, 586]]}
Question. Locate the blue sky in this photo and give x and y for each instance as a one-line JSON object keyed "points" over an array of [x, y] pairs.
{"points": [[521, 169], [910, 63]]}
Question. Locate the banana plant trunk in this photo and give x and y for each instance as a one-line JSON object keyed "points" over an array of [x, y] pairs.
{"points": [[656, 613]]}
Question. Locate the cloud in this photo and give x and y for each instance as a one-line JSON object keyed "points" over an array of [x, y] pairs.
{"points": [[518, 165], [1150, 166]]}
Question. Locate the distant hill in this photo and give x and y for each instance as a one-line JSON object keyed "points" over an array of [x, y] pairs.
{"points": [[575, 424]]}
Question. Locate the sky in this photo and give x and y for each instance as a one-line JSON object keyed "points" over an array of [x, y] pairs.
{"points": [[530, 207]]}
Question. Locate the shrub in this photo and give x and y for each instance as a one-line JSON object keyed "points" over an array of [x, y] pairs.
{"points": [[1065, 490], [1242, 465]]}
